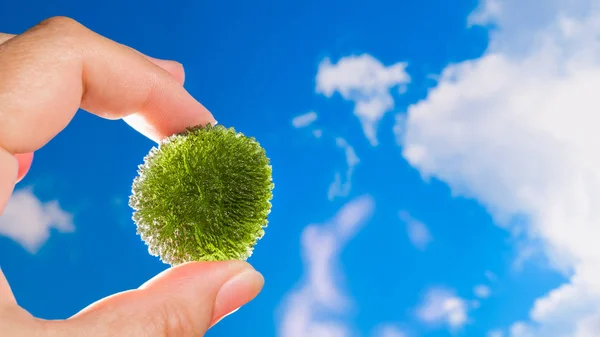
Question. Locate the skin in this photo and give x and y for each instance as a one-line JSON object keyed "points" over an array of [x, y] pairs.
{"points": [[46, 75]]}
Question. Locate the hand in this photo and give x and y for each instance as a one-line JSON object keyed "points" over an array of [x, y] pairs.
{"points": [[46, 75]]}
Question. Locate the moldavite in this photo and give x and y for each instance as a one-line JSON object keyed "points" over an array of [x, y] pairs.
{"points": [[203, 195]]}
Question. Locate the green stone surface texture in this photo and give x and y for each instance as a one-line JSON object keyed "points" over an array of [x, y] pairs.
{"points": [[203, 195]]}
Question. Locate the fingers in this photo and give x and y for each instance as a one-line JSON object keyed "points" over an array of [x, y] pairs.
{"points": [[50, 71], [175, 69], [182, 301], [53, 69]]}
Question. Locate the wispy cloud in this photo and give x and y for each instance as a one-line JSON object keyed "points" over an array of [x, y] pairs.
{"points": [[441, 307], [418, 233], [390, 330], [29, 221], [341, 185], [495, 333], [365, 81], [400, 128], [517, 130], [490, 276], [482, 291], [307, 309], [304, 120]]}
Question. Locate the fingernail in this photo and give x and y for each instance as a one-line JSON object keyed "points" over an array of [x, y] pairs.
{"points": [[236, 292], [25, 160]]}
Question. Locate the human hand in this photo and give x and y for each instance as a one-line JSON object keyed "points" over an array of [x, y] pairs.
{"points": [[46, 75]]}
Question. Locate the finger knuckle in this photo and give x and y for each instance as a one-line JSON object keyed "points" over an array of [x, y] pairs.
{"points": [[178, 321], [61, 35], [62, 28], [61, 23]]}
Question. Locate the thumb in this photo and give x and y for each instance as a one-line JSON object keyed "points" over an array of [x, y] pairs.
{"points": [[6, 296], [13, 319], [182, 301]]}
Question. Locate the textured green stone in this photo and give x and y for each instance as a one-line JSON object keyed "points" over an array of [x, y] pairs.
{"points": [[203, 195]]}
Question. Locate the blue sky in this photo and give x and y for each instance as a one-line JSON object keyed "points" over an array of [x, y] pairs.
{"points": [[435, 165]]}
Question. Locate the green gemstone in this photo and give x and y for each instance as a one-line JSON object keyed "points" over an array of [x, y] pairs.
{"points": [[203, 195]]}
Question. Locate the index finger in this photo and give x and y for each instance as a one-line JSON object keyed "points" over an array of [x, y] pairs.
{"points": [[59, 66]]}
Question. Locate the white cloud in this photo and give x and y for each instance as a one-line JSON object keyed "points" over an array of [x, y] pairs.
{"points": [[486, 12], [28, 221], [482, 291], [441, 306], [418, 233], [389, 330], [399, 128], [340, 187], [304, 120], [495, 333], [490, 276], [520, 329], [306, 309], [365, 81], [517, 129]]}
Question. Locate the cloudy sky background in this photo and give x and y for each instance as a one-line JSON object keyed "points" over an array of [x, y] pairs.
{"points": [[436, 165]]}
